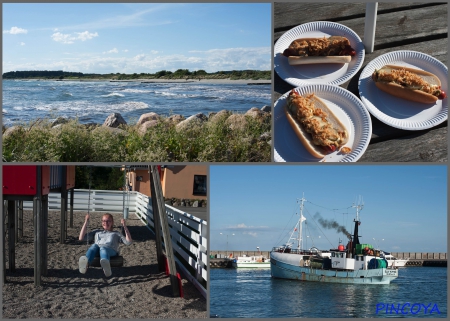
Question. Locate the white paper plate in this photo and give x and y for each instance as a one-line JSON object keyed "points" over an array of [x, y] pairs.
{"points": [[346, 106], [333, 74], [398, 112]]}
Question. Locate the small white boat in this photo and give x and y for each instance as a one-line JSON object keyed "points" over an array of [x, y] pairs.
{"points": [[251, 262], [393, 261]]}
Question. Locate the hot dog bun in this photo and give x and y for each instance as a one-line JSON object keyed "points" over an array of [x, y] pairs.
{"points": [[306, 138], [297, 60], [409, 92]]}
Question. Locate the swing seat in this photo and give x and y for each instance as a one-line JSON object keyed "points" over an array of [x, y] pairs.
{"points": [[115, 261]]}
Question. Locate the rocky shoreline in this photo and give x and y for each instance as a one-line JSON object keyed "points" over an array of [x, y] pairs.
{"points": [[115, 122]]}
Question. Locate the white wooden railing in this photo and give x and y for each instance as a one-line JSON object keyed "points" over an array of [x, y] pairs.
{"points": [[189, 234]]}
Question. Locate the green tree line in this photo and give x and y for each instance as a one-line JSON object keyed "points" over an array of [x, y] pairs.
{"points": [[165, 74], [98, 177]]}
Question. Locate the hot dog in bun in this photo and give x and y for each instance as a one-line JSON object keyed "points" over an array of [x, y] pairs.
{"points": [[408, 83], [319, 130], [334, 49]]}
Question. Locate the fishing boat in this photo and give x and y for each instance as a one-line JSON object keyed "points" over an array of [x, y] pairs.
{"points": [[353, 264], [393, 261], [258, 261]]}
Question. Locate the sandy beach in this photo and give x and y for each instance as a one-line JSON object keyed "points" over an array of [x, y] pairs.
{"points": [[136, 290]]}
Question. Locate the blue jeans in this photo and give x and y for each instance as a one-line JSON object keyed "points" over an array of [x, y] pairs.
{"points": [[105, 252]]}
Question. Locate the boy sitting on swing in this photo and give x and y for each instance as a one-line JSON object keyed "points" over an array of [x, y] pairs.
{"points": [[106, 243]]}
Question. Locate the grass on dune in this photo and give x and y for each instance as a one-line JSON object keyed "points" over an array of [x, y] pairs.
{"points": [[211, 141]]}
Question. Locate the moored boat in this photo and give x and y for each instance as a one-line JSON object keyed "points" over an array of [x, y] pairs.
{"points": [[355, 264], [258, 261], [393, 261]]}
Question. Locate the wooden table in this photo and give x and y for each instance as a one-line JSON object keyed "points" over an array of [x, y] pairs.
{"points": [[400, 26]]}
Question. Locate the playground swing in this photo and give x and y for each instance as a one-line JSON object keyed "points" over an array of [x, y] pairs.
{"points": [[117, 260]]}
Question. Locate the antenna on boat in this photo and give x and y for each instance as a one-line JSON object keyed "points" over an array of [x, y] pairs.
{"points": [[300, 221], [359, 206]]}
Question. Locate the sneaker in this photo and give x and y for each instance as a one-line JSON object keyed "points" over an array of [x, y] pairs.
{"points": [[83, 264], [106, 267]]}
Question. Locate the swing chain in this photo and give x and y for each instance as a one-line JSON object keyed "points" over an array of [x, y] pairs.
{"points": [[89, 206]]}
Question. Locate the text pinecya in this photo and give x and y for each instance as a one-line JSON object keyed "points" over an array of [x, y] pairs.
{"points": [[407, 308]]}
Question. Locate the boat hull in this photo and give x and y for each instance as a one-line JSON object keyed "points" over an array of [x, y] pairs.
{"points": [[251, 262], [287, 266], [251, 265]]}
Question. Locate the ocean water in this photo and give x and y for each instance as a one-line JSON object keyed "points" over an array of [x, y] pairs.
{"points": [[253, 293], [25, 101]]}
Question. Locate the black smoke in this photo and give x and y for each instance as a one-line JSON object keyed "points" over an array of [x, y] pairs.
{"points": [[331, 224]]}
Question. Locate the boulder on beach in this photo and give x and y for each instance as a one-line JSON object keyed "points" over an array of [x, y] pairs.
{"points": [[255, 113], [146, 117], [221, 115], [175, 119], [194, 120], [59, 121], [266, 109], [12, 130], [114, 120], [236, 121], [148, 124]]}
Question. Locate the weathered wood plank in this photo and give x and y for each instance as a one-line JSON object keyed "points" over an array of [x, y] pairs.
{"points": [[291, 14], [423, 146], [399, 26]]}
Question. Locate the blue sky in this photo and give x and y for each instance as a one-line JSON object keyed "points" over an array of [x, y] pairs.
{"points": [[140, 37], [405, 207]]}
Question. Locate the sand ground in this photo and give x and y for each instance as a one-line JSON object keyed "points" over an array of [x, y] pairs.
{"points": [[136, 290]]}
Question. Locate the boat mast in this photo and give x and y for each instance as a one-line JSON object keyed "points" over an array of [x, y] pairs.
{"points": [[300, 221], [358, 207]]}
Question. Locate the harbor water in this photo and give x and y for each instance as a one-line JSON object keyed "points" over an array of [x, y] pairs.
{"points": [[93, 101], [253, 293]]}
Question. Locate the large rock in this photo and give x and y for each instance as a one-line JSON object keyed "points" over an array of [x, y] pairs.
{"points": [[59, 121], [221, 115], [11, 130], [236, 121], [148, 124], [114, 120], [194, 120], [175, 119], [267, 109], [254, 112], [146, 117]]}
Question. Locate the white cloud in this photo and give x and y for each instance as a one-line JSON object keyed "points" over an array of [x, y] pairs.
{"points": [[86, 35], [114, 50], [15, 31], [71, 38], [140, 57], [210, 61], [125, 50], [22, 43], [154, 52], [254, 234]]}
